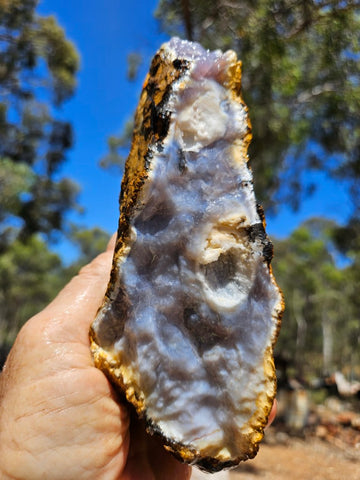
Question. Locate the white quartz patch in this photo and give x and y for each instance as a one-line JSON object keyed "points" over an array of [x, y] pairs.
{"points": [[202, 119]]}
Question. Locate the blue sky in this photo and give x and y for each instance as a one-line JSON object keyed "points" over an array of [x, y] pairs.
{"points": [[105, 32]]}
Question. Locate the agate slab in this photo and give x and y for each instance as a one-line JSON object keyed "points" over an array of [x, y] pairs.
{"points": [[192, 310]]}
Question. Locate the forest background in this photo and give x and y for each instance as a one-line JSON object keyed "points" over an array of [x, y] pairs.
{"points": [[301, 83]]}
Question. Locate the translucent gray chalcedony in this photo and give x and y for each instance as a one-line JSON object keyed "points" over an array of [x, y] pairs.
{"points": [[200, 297]]}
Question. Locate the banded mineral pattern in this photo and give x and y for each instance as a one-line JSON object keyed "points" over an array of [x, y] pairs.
{"points": [[192, 310]]}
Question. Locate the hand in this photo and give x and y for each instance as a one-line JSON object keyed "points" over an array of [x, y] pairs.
{"points": [[59, 416]]}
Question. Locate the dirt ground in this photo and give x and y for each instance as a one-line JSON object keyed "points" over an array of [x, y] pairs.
{"points": [[310, 459]]}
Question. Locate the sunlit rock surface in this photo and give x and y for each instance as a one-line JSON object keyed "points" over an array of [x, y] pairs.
{"points": [[192, 310]]}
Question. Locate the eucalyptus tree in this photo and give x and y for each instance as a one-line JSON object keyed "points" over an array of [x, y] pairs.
{"points": [[38, 67]]}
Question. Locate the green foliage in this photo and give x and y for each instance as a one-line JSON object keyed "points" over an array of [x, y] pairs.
{"points": [[30, 276], [320, 326], [16, 179], [347, 239], [119, 147], [300, 81], [38, 67], [90, 242]]}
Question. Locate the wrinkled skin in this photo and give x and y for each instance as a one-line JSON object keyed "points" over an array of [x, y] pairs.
{"points": [[59, 416]]}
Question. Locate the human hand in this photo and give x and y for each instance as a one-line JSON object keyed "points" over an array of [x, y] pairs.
{"points": [[59, 416]]}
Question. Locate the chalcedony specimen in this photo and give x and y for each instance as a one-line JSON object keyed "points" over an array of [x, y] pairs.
{"points": [[192, 310]]}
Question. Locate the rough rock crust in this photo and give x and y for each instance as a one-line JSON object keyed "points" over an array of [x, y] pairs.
{"points": [[192, 311]]}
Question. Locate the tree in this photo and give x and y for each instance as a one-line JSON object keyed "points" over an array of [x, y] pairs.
{"points": [[30, 276], [38, 67], [119, 147], [320, 326], [89, 242], [300, 81], [347, 241]]}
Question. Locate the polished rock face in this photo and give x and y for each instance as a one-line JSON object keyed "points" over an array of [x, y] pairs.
{"points": [[192, 310]]}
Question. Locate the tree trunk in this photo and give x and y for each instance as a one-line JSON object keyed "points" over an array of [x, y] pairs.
{"points": [[187, 19], [297, 304], [328, 342]]}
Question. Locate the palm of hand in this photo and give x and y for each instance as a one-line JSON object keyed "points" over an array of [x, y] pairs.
{"points": [[59, 418]]}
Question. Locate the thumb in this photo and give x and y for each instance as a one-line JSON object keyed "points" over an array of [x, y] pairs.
{"points": [[71, 313]]}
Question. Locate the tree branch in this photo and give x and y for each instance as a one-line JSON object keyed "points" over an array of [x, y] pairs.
{"points": [[332, 3], [317, 14], [307, 95]]}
